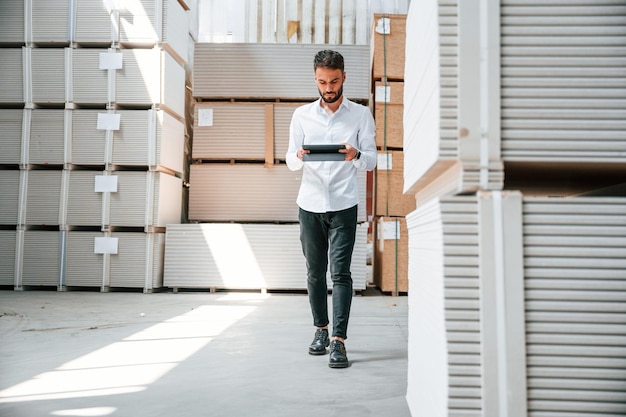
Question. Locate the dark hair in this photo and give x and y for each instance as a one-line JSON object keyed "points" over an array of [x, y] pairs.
{"points": [[328, 59]]}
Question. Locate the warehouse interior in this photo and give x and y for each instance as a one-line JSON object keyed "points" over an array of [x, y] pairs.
{"points": [[150, 260]]}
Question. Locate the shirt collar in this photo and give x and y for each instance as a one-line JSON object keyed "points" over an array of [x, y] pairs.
{"points": [[344, 104]]}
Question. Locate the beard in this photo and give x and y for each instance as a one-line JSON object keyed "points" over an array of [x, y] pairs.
{"points": [[337, 96]]}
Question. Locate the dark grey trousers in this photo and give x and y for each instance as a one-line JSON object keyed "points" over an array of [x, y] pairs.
{"points": [[328, 238]]}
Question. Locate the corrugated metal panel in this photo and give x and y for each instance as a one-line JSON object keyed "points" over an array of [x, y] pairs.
{"points": [[131, 206], [46, 144], [232, 71], [148, 138], [8, 239], [48, 74], [41, 258], [138, 254], [137, 22], [93, 22], [12, 80], [249, 192], [245, 256], [430, 87], [575, 278], [12, 23], [444, 327], [89, 82], [10, 191], [50, 21], [88, 143], [84, 204], [11, 135], [83, 267], [237, 131], [43, 198], [563, 86]]}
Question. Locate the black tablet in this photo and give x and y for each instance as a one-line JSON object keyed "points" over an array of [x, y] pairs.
{"points": [[324, 152]]}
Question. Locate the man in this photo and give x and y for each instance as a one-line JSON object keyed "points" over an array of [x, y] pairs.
{"points": [[328, 197]]}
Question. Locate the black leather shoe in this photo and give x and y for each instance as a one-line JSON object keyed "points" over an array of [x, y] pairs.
{"points": [[338, 357], [320, 342]]}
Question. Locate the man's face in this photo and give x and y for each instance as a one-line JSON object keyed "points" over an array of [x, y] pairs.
{"points": [[330, 83]]}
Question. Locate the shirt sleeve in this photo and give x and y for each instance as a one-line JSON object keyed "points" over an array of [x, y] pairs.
{"points": [[296, 139], [367, 142]]}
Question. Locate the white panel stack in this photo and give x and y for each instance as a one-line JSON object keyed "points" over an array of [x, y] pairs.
{"points": [[563, 85], [575, 281], [87, 145], [145, 199], [12, 25], [120, 260], [8, 239], [141, 23], [272, 70], [139, 261], [150, 76], [84, 203], [10, 184], [249, 192], [84, 267], [219, 133], [90, 82], [46, 141], [148, 138], [43, 199], [12, 81], [50, 21], [11, 136], [93, 92], [517, 295], [245, 256], [41, 256], [47, 74]]}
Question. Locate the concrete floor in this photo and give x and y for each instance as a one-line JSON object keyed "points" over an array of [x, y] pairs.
{"points": [[195, 354]]}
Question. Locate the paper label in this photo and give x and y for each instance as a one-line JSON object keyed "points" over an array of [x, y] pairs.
{"points": [[108, 121], [385, 161], [383, 94], [383, 26], [110, 60], [105, 245], [205, 117], [391, 230], [106, 183]]}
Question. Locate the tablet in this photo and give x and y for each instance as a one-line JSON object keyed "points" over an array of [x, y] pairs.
{"points": [[324, 152]]}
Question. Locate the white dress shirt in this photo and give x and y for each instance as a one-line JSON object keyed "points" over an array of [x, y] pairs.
{"points": [[331, 185]]}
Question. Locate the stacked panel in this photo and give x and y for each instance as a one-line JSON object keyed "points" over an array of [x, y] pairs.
{"points": [[245, 256], [520, 295], [242, 115], [536, 94], [390, 205], [93, 134]]}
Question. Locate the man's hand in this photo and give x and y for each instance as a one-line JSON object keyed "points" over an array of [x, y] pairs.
{"points": [[350, 151], [302, 152]]}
